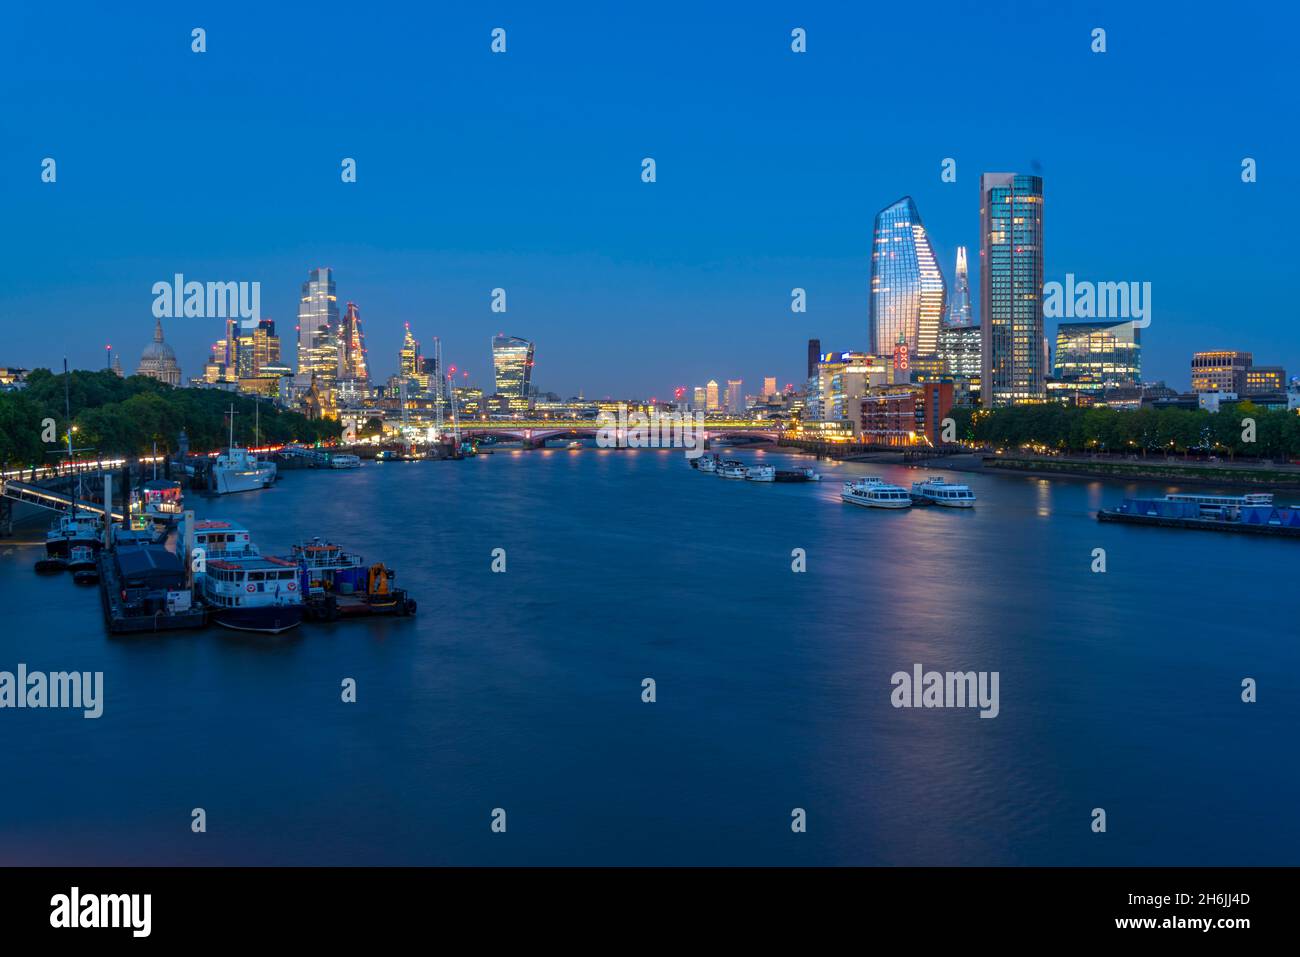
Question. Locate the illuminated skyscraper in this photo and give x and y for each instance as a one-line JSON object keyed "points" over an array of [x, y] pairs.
{"points": [[258, 347], [1011, 289], [908, 292], [352, 349], [958, 315], [1107, 352], [769, 386], [318, 323], [512, 367], [735, 401], [410, 364], [699, 399], [711, 396]]}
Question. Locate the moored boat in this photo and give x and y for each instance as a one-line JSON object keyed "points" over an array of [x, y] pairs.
{"points": [[937, 491], [161, 500], [1253, 513], [336, 583], [797, 475], [760, 473], [731, 469], [874, 492], [706, 463], [344, 460], [81, 527], [81, 558], [238, 470], [255, 593]]}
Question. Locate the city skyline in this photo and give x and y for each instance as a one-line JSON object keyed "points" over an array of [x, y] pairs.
{"points": [[706, 255]]}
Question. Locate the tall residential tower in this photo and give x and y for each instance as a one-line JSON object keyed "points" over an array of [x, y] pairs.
{"points": [[1013, 355]]}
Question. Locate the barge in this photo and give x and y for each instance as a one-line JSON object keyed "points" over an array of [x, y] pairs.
{"points": [[338, 584], [1252, 514]]}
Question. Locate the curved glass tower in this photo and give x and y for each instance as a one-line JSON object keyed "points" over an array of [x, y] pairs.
{"points": [[512, 366], [908, 292]]}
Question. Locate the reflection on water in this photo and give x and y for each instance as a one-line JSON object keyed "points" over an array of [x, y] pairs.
{"points": [[522, 690]]}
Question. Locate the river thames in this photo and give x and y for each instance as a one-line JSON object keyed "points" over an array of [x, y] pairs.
{"points": [[522, 690]]}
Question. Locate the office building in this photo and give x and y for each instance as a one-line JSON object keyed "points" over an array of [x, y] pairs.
{"points": [[512, 369], [1098, 354], [1220, 370], [352, 350], [735, 402], [318, 323], [1011, 289]]}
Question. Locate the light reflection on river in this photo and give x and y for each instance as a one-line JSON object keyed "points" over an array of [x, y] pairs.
{"points": [[523, 690]]}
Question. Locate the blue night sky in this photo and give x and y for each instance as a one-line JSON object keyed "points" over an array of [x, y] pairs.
{"points": [[523, 171]]}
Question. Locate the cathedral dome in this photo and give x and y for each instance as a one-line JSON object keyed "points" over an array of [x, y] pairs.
{"points": [[158, 361]]}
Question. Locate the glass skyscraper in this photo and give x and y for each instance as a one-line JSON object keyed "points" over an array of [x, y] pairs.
{"points": [[1011, 290], [512, 367], [1098, 353], [318, 324], [908, 292], [958, 315], [352, 348]]}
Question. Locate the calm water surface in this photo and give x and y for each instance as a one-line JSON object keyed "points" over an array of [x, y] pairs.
{"points": [[523, 690]]}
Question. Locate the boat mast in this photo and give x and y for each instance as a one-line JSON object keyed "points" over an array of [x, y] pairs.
{"points": [[67, 414]]}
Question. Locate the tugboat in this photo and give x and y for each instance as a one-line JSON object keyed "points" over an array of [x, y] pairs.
{"points": [[937, 491], [326, 566], [253, 593], [874, 492], [338, 584], [73, 528], [82, 564]]}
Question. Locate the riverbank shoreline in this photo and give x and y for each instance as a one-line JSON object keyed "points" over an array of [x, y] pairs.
{"points": [[1185, 473]]}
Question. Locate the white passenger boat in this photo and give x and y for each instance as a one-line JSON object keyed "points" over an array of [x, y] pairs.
{"points": [[732, 470], [255, 593], [342, 460], [761, 473], [874, 492], [937, 491], [707, 463]]}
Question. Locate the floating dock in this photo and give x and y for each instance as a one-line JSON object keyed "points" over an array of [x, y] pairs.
{"points": [[332, 607], [122, 620]]}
